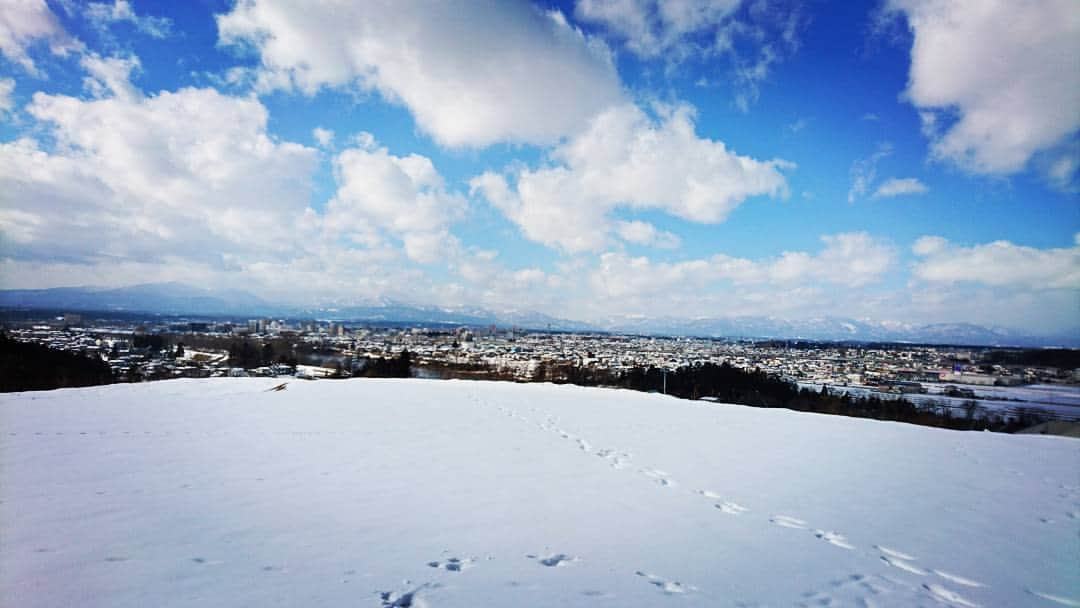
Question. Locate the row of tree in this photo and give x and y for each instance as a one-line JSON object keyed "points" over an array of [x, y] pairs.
{"points": [[729, 384], [27, 366]]}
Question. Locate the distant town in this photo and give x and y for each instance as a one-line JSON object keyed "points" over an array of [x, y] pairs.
{"points": [[949, 377]]}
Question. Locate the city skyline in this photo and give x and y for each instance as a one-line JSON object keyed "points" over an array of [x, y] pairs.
{"points": [[901, 161]]}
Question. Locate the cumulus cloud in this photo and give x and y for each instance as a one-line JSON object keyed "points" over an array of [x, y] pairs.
{"points": [[325, 137], [998, 264], [626, 159], [190, 174], [752, 36], [852, 259], [470, 75], [644, 233], [491, 283], [26, 22], [895, 186], [401, 195], [995, 81], [102, 14], [651, 28], [793, 284], [111, 76]]}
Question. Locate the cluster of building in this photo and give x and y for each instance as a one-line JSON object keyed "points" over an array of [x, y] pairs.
{"points": [[152, 349]]}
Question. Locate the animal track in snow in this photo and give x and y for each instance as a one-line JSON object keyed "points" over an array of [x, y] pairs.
{"points": [[454, 564], [1057, 599], [833, 539], [668, 587], [659, 477], [903, 565], [554, 560], [948, 596], [406, 599], [854, 589], [959, 580], [731, 508], [895, 553], [786, 521], [617, 460]]}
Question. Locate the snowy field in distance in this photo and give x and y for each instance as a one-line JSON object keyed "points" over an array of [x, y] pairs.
{"points": [[463, 494]]}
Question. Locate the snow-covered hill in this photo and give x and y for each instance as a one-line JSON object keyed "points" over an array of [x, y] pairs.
{"points": [[454, 494]]}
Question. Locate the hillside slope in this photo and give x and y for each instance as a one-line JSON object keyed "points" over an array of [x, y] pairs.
{"points": [[453, 494]]}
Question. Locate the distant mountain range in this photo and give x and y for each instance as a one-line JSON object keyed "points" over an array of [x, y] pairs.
{"points": [[839, 328], [181, 299], [162, 298]]}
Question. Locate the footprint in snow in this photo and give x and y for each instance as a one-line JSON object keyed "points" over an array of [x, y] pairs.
{"points": [[895, 553], [659, 477], [405, 599], [901, 560], [785, 521], [1057, 599], [957, 579], [207, 562], [731, 508], [833, 539], [947, 596], [454, 564], [853, 589], [898, 562], [668, 587], [554, 560]]}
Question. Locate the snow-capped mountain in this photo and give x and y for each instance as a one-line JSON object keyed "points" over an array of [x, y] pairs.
{"points": [[178, 298]]}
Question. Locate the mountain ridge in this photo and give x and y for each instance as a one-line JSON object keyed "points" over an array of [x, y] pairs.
{"points": [[182, 299]]}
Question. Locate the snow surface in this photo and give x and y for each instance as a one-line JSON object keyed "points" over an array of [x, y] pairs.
{"points": [[454, 493]]}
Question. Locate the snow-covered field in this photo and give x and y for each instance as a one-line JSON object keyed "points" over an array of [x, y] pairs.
{"points": [[452, 494]]}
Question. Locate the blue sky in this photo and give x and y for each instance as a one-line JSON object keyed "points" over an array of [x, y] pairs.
{"points": [[910, 161]]}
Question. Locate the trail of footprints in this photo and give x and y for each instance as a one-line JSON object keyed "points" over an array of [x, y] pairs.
{"points": [[864, 587]]}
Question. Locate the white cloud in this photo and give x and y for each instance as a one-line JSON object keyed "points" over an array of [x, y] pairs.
{"points": [[895, 186], [325, 137], [190, 174], [102, 14], [998, 264], [853, 259], [471, 75], [644, 233], [7, 87], [111, 76], [864, 171], [402, 195], [849, 260], [751, 35], [995, 81], [651, 28], [25, 22], [625, 159]]}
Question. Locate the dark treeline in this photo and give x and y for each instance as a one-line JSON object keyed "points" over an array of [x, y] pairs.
{"points": [[396, 367], [729, 384], [26, 366], [250, 354], [1061, 358]]}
